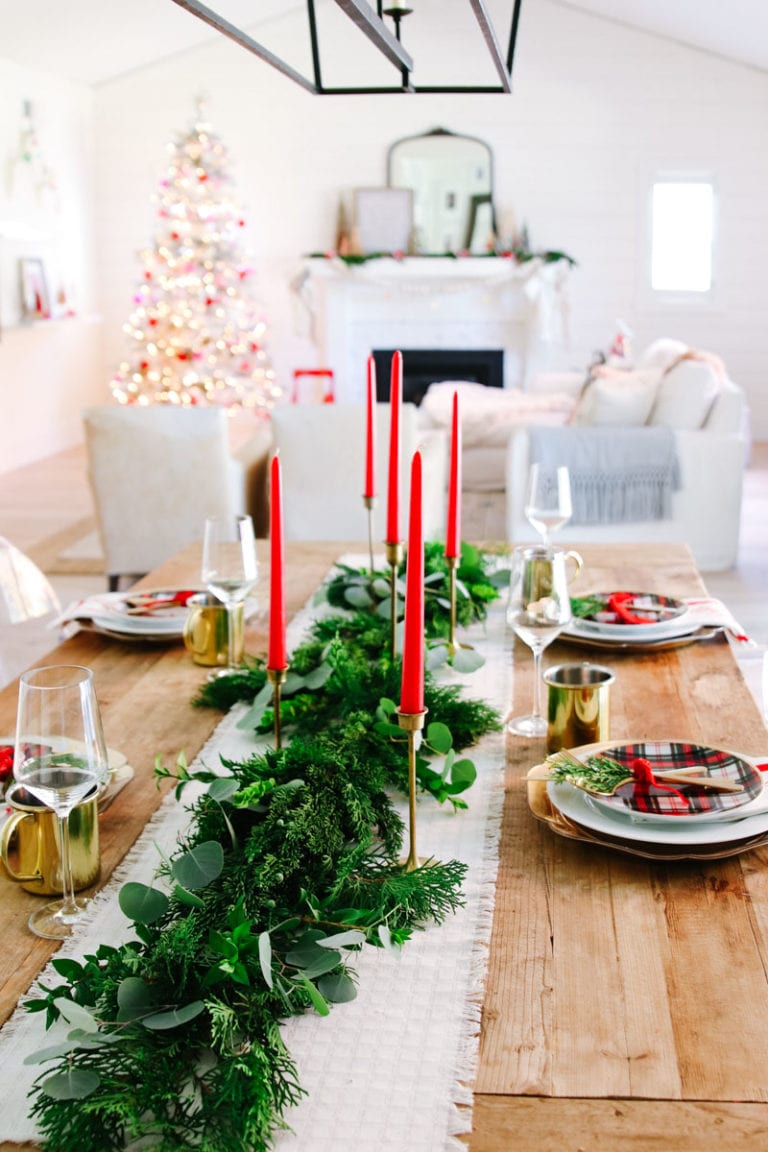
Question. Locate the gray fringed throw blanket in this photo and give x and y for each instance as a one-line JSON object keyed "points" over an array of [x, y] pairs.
{"points": [[616, 473]]}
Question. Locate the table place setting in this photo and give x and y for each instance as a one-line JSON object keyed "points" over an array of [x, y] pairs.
{"points": [[637, 621], [660, 798], [158, 614]]}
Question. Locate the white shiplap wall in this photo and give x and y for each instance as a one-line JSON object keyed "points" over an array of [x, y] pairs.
{"points": [[597, 108]]}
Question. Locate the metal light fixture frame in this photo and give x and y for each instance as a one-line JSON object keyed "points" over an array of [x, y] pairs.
{"points": [[371, 24]]}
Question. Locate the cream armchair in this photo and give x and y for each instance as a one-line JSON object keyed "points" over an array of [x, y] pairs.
{"points": [[322, 450], [156, 473]]}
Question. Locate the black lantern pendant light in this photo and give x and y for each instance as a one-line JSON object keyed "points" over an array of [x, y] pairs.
{"points": [[383, 26]]}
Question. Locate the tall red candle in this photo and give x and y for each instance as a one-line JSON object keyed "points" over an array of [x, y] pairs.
{"points": [[412, 688], [370, 433], [393, 489], [276, 657], [453, 530]]}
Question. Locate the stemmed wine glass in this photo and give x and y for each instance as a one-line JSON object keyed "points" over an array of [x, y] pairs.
{"points": [[60, 757], [548, 499], [538, 609], [230, 569]]}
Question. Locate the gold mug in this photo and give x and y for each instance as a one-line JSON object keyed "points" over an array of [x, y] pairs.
{"points": [[206, 633], [578, 706], [31, 835]]}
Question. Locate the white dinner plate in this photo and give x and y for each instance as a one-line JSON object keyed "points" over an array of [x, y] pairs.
{"points": [[117, 617], [682, 625], [604, 625], [139, 625], [578, 806]]}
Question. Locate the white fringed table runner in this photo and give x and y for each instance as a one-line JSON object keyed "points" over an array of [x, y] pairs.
{"points": [[392, 1069]]}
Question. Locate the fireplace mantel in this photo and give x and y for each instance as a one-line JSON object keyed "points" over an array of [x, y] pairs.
{"points": [[433, 302]]}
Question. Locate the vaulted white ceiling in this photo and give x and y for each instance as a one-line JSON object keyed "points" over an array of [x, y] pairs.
{"points": [[92, 41]]}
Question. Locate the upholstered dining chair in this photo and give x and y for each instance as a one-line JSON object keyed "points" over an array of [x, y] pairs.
{"points": [[322, 450], [156, 472]]}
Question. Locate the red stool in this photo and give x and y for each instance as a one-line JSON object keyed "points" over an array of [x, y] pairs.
{"points": [[312, 385]]}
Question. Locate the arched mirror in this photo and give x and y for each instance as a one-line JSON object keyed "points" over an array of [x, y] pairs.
{"points": [[452, 181]]}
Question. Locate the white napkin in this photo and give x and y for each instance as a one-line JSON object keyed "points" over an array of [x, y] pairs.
{"points": [[708, 612]]}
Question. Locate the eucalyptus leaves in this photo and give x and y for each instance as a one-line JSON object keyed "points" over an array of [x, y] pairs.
{"points": [[477, 585]]}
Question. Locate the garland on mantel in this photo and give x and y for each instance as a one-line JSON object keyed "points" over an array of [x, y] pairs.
{"points": [[516, 255], [290, 868]]}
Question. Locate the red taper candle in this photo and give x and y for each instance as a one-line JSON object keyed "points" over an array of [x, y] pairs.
{"points": [[453, 530], [393, 490], [370, 433], [412, 688], [276, 657]]}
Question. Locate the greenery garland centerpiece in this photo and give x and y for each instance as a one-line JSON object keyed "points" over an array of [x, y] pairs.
{"points": [[290, 868]]}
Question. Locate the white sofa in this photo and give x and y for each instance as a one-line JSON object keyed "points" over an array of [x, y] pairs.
{"points": [[708, 414]]}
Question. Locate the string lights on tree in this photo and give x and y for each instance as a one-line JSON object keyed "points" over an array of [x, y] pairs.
{"points": [[196, 328]]}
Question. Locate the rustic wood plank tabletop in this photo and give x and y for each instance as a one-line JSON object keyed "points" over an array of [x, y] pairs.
{"points": [[626, 1004]]}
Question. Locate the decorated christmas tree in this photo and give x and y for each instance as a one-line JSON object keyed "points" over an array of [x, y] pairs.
{"points": [[197, 329]]}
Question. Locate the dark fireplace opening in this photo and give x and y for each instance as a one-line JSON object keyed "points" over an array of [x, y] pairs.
{"points": [[425, 366]]}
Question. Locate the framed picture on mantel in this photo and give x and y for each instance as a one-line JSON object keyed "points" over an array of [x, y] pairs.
{"points": [[383, 220], [35, 298]]}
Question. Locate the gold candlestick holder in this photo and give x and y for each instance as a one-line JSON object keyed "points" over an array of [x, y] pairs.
{"points": [[370, 504], [453, 644], [394, 553], [412, 723], [277, 677]]}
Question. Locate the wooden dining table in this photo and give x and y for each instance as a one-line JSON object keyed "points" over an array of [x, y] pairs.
{"points": [[626, 999]]}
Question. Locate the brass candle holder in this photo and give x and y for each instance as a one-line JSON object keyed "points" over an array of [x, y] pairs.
{"points": [[453, 644], [277, 677], [412, 723], [394, 554], [370, 504], [453, 564]]}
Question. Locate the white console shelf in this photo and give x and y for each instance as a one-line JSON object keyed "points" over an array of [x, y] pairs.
{"points": [[434, 302]]}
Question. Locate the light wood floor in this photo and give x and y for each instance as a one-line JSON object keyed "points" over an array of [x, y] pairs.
{"points": [[45, 497]]}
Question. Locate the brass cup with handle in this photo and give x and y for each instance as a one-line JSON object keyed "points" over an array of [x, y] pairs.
{"points": [[30, 848]]}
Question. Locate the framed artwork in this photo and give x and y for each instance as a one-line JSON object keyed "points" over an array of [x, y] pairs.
{"points": [[481, 224], [35, 298], [383, 219]]}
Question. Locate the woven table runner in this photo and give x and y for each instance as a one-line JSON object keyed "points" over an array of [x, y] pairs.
{"points": [[392, 1069]]}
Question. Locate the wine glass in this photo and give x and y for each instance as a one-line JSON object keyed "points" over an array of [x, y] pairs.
{"points": [[538, 609], [230, 569], [60, 757], [548, 499]]}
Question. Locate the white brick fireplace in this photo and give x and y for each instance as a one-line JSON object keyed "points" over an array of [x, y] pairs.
{"points": [[438, 303]]}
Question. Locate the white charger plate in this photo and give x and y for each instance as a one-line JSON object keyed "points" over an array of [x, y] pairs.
{"points": [[578, 806]]}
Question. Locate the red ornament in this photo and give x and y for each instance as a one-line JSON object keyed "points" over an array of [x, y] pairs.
{"points": [[182, 356], [152, 322], [174, 235], [203, 176]]}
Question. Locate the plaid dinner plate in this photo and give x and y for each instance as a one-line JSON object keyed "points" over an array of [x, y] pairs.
{"points": [[673, 799]]}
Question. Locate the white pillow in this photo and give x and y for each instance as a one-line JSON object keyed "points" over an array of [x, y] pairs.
{"points": [[489, 416], [686, 395], [662, 354], [623, 401]]}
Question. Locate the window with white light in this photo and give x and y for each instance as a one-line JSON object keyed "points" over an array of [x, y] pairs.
{"points": [[682, 234]]}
